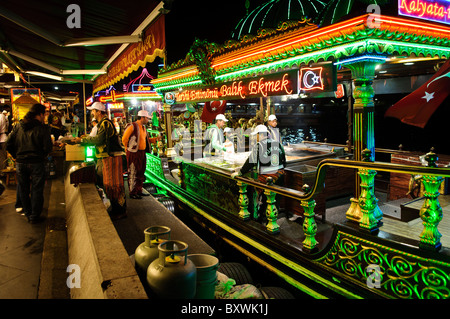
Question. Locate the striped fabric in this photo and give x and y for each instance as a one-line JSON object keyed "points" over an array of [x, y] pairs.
{"points": [[113, 183], [136, 170]]}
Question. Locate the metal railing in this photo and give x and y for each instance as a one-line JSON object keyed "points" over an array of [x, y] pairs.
{"points": [[370, 221]]}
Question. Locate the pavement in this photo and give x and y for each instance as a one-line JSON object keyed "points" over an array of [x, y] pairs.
{"points": [[21, 247], [34, 257]]}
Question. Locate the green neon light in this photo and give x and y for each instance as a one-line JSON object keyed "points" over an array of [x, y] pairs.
{"points": [[292, 60], [412, 45], [337, 52], [175, 86], [298, 268]]}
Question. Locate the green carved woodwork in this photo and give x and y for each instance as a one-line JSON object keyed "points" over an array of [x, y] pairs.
{"points": [[244, 214], [353, 42], [271, 212], [401, 275], [367, 201], [154, 166], [200, 53], [431, 211], [218, 190], [309, 225]]}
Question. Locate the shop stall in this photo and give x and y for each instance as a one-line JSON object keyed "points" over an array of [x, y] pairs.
{"points": [[296, 62]]}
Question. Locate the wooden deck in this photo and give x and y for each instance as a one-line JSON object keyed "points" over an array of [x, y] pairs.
{"points": [[411, 229], [414, 228]]}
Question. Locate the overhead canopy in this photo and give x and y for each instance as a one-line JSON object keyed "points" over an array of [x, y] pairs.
{"points": [[35, 36]]}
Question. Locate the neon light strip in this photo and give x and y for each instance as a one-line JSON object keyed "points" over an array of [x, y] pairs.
{"points": [[175, 76], [297, 267], [292, 60], [361, 58], [413, 45], [174, 86], [326, 30], [126, 96], [413, 24], [279, 45]]}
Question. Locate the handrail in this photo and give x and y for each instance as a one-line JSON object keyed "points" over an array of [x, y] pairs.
{"points": [[321, 174]]}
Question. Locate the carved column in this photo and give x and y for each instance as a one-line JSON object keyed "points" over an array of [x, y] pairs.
{"points": [[431, 211], [271, 210], [168, 124], [371, 214], [244, 214], [309, 224], [363, 73]]}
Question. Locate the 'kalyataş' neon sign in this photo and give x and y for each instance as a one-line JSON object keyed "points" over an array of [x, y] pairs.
{"points": [[432, 10]]}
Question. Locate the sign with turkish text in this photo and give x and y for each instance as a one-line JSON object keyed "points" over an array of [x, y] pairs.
{"points": [[318, 78], [142, 88], [283, 83], [117, 105], [432, 10], [135, 55]]}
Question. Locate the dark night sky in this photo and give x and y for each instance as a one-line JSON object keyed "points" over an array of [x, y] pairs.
{"points": [[204, 19]]}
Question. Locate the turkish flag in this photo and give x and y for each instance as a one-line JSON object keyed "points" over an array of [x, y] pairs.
{"points": [[417, 107], [211, 109]]}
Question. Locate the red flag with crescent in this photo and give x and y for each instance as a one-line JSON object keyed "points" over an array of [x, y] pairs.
{"points": [[417, 107], [211, 109]]}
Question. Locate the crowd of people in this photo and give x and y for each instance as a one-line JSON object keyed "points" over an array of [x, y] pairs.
{"points": [[118, 148]]}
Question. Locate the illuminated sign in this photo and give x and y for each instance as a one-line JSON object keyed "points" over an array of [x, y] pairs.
{"points": [[118, 105], [142, 88], [432, 10], [311, 79], [318, 78], [169, 97], [267, 85]]}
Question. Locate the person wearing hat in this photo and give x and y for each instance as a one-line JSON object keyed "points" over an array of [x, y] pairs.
{"points": [[108, 151], [215, 135], [268, 157], [135, 140], [273, 131]]}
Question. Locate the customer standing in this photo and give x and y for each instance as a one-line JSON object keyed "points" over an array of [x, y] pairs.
{"points": [[30, 143], [108, 151], [135, 140]]}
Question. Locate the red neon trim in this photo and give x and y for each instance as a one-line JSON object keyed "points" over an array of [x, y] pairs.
{"points": [[326, 30]]}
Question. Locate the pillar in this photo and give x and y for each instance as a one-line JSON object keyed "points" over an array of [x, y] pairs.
{"points": [[431, 211], [168, 124], [363, 73]]}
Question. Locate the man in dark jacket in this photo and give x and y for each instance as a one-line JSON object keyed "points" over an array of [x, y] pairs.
{"points": [[30, 143], [267, 155], [269, 159]]}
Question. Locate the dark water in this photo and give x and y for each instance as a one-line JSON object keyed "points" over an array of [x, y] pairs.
{"points": [[295, 136]]}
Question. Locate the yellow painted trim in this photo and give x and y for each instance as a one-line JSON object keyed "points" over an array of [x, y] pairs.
{"points": [[305, 272]]}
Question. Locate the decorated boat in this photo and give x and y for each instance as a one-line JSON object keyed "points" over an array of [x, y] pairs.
{"points": [[356, 257]]}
